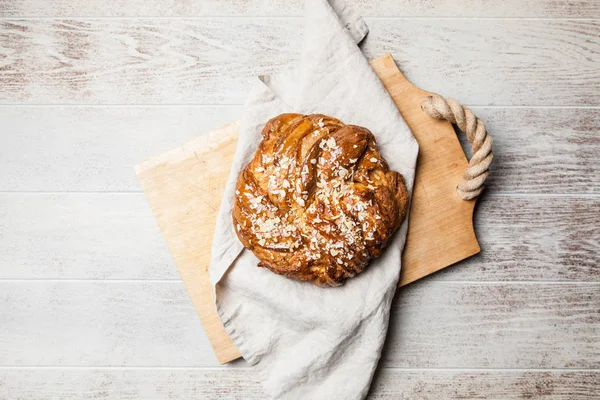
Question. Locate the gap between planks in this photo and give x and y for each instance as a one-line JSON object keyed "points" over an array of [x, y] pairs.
{"points": [[224, 105], [129, 192], [408, 369], [169, 281], [289, 17]]}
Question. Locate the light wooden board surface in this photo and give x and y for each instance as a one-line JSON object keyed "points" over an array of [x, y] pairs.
{"points": [[211, 60], [114, 236], [468, 324], [243, 384], [253, 8], [537, 151], [533, 65]]}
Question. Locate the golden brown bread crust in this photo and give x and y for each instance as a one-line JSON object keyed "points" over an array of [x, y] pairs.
{"points": [[318, 201]]}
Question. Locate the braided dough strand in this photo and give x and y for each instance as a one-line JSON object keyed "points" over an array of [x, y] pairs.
{"points": [[318, 201]]}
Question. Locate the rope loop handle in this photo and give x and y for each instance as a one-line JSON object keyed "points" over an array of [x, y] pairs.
{"points": [[481, 142]]}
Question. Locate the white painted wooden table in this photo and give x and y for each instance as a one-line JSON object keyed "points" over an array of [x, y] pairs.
{"points": [[91, 305]]}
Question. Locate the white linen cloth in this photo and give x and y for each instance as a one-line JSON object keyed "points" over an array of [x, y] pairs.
{"points": [[309, 342]]}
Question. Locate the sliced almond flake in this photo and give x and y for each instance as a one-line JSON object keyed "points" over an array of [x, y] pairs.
{"points": [[279, 192], [313, 161], [285, 183], [373, 159], [237, 192], [259, 169], [262, 242], [377, 217], [272, 181], [256, 200], [355, 146], [300, 201], [320, 123], [353, 160], [349, 223], [331, 143], [339, 261]]}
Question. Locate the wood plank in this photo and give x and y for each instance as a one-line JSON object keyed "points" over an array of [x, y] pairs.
{"points": [[116, 61], [78, 323], [252, 8], [494, 325], [94, 148], [114, 236], [533, 239], [81, 236], [243, 383], [543, 150], [433, 324], [476, 384]]}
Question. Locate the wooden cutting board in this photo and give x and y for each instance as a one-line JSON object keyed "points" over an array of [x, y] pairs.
{"points": [[185, 186]]}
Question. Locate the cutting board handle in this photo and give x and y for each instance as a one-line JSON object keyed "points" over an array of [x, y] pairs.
{"points": [[452, 111]]}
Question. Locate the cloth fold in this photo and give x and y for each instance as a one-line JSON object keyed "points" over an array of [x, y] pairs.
{"points": [[307, 341]]}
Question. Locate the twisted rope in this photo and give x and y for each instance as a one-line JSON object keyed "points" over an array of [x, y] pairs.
{"points": [[481, 142]]}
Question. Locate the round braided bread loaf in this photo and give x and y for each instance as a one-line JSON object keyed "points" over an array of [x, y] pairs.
{"points": [[317, 202]]}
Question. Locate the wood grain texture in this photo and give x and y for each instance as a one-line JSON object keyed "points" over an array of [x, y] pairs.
{"points": [[115, 236], [81, 236], [494, 326], [536, 150], [184, 187], [440, 225], [534, 238], [78, 323], [209, 60], [85, 149], [242, 384], [252, 8], [543, 150], [115, 61], [433, 324]]}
